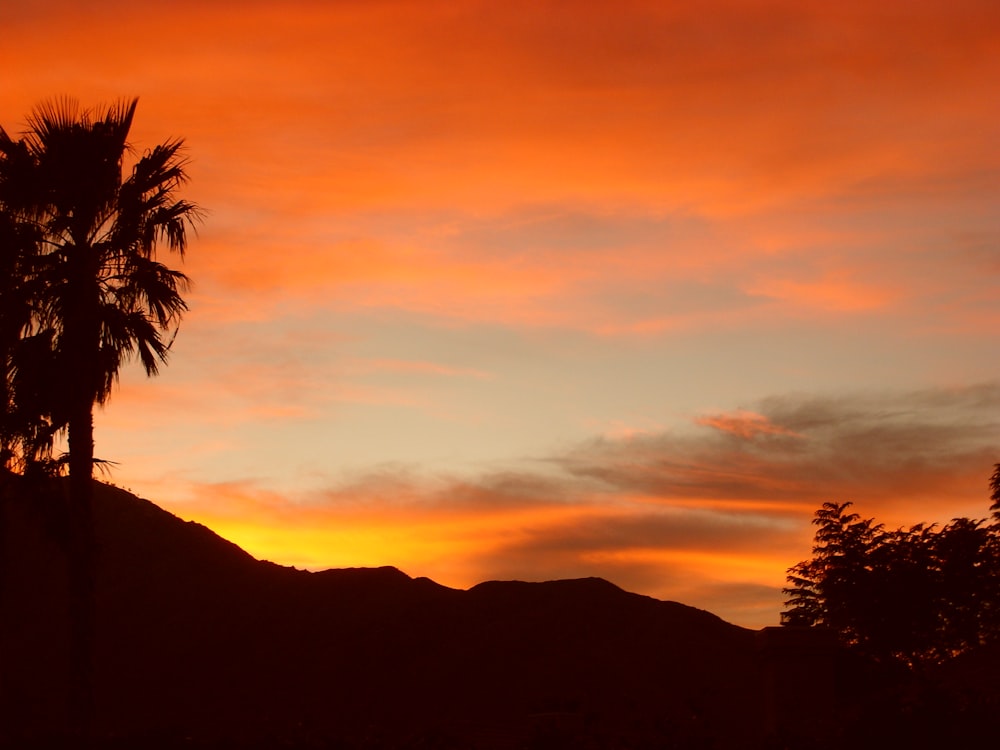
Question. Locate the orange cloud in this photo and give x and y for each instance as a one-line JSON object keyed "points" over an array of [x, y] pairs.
{"points": [[695, 517], [839, 293], [745, 424], [479, 105], [402, 523], [323, 130], [460, 534]]}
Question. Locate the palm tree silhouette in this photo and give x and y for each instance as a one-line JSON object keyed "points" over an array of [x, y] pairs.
{"points": [[103, 293], [98, 296]]}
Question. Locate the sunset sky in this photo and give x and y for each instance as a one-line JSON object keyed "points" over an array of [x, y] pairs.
{"points": [[557, 289]]}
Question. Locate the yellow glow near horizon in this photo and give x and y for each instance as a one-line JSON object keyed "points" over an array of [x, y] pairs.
{"points": [[448, 245]]}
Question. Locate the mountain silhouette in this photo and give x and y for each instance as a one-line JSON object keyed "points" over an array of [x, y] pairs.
{"points": [[198, 644]]}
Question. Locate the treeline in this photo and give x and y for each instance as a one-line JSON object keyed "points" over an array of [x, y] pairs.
{"points": [[915, 595]]}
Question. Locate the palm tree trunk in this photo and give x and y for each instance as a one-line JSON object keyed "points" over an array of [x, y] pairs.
{"points": [[82, 568], [82, 345]]}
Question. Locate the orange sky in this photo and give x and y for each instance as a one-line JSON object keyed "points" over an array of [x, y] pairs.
{"points": [[557, 289]]}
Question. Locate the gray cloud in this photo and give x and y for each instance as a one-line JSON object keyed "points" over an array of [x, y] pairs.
{"points": [[866, 445], [713, 515], [681, 529]]}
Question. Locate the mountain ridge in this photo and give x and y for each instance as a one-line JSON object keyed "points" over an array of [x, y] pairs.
{"points": [[196, 638]]}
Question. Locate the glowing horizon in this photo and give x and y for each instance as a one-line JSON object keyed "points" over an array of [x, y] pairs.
{"points": [[521, 291]]}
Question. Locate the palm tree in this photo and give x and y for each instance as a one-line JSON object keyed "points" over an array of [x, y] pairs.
{"points": [[96, 293], [100, 288]]}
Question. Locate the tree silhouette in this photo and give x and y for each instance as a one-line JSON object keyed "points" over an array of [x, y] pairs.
{"points": [[18, 247], [832, 588], [97, 284], [917, 595], [80, 231]]}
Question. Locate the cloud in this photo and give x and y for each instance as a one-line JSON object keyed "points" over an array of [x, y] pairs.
{"points": [[642, 171], [542, 101], [744, 424], [711, 516], [589, 268], [461, 532], [838, 294], [914, 450]]}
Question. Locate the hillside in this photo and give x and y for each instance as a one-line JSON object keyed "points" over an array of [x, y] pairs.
{"points": [[196, 639]]}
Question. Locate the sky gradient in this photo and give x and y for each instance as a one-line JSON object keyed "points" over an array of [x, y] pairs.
{"points": [[535, 290]]}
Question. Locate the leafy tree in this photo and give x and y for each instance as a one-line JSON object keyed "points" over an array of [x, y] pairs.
{"points": [[831, 589], [913, 595], [967, 567]]}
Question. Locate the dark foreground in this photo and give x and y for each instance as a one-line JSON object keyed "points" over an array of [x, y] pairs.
{"points": [[195, 644]]}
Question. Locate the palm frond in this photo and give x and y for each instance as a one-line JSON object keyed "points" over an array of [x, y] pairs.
{"points": [[82, 264]]}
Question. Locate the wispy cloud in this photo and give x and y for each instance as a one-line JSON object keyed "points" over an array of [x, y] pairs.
{"points": [[896, 450], [333, 141], [744, 424], [711, 516]]}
